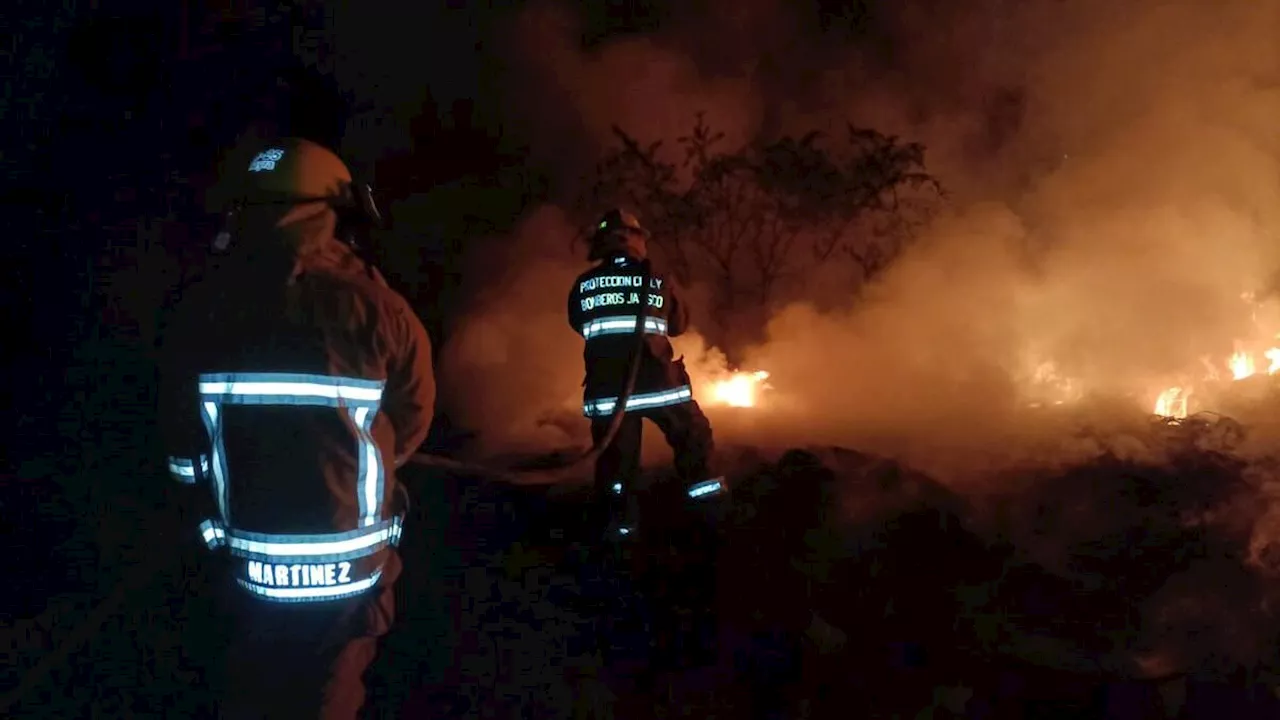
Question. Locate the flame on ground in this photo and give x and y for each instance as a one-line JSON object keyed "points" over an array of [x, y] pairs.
{"points": [[739, 389], [1273, 357], [1243, 364], [1172, 403], [1258, 355]]}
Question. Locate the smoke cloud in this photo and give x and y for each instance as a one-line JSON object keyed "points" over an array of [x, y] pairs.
{"points": [[1114, 189]]}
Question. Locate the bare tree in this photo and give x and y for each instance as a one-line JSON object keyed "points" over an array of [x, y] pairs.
{"points": [[751, 220]]}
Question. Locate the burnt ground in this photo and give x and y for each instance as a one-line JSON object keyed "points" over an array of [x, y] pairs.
{"points": [[503, 614]]}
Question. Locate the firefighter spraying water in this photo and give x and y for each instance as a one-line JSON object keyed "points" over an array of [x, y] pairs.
{"points": [[622, 296]]}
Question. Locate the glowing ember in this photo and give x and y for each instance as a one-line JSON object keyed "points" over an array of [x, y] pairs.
{"points": [[740, 389], [1172, 403]]}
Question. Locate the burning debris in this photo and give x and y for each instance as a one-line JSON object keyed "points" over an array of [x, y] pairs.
{"points": [[1190, 392], [1173, 402], [1243, 363]]}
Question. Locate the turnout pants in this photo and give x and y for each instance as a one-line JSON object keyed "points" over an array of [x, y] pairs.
{"points": [[298, 660], [680, 556], [686, 430]]}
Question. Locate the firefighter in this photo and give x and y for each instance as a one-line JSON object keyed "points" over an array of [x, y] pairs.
{"points": [[605, 305], [295, 383]]}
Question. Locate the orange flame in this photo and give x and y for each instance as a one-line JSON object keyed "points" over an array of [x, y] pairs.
{"points": [[1172, 403], [1242, 365], [739, 389], [1273, 356]]}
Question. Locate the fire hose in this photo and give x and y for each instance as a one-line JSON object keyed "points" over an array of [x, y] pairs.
{"points": [[135, 580]]}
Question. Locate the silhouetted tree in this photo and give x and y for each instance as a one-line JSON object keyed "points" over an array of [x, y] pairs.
{"points": [[751, 220]]}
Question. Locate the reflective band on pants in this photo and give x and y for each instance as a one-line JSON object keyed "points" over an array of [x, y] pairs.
{"points": [[215, 536], [602, 407], [706, 487]]}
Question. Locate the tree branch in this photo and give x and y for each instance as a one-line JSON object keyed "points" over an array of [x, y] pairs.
{"points": [[769, 212]]}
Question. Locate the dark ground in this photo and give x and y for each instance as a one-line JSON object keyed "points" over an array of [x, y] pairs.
{"points": [[499, 612]]}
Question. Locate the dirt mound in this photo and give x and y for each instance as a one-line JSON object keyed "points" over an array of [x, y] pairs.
{"points": [[1115, 560]]}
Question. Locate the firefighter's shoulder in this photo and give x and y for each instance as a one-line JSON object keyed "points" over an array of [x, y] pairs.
{"points": [[372, 291], [585, 280]]}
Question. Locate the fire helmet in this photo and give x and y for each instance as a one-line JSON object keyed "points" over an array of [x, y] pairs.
{"points": [[617, 230], [288, 170], [619, 220]]}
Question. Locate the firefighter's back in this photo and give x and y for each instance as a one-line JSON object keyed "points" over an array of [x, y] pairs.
{"points": [[291, 380], [605, 304], [294, 383]]}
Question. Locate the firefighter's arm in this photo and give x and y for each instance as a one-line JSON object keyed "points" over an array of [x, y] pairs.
{"points": [[183, 434], [411, 385], [574, 310]]}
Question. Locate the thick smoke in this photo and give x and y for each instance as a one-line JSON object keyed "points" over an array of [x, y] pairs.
{"points": [[1114, 188], [514, 366], [1114, 178]]}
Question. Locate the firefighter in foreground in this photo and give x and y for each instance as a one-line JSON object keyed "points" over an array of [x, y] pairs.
{"points": [[295, 383], [605, 305]]}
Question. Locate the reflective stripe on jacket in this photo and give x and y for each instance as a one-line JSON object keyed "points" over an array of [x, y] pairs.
{"points": [[287, 406], [604, 306]]}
